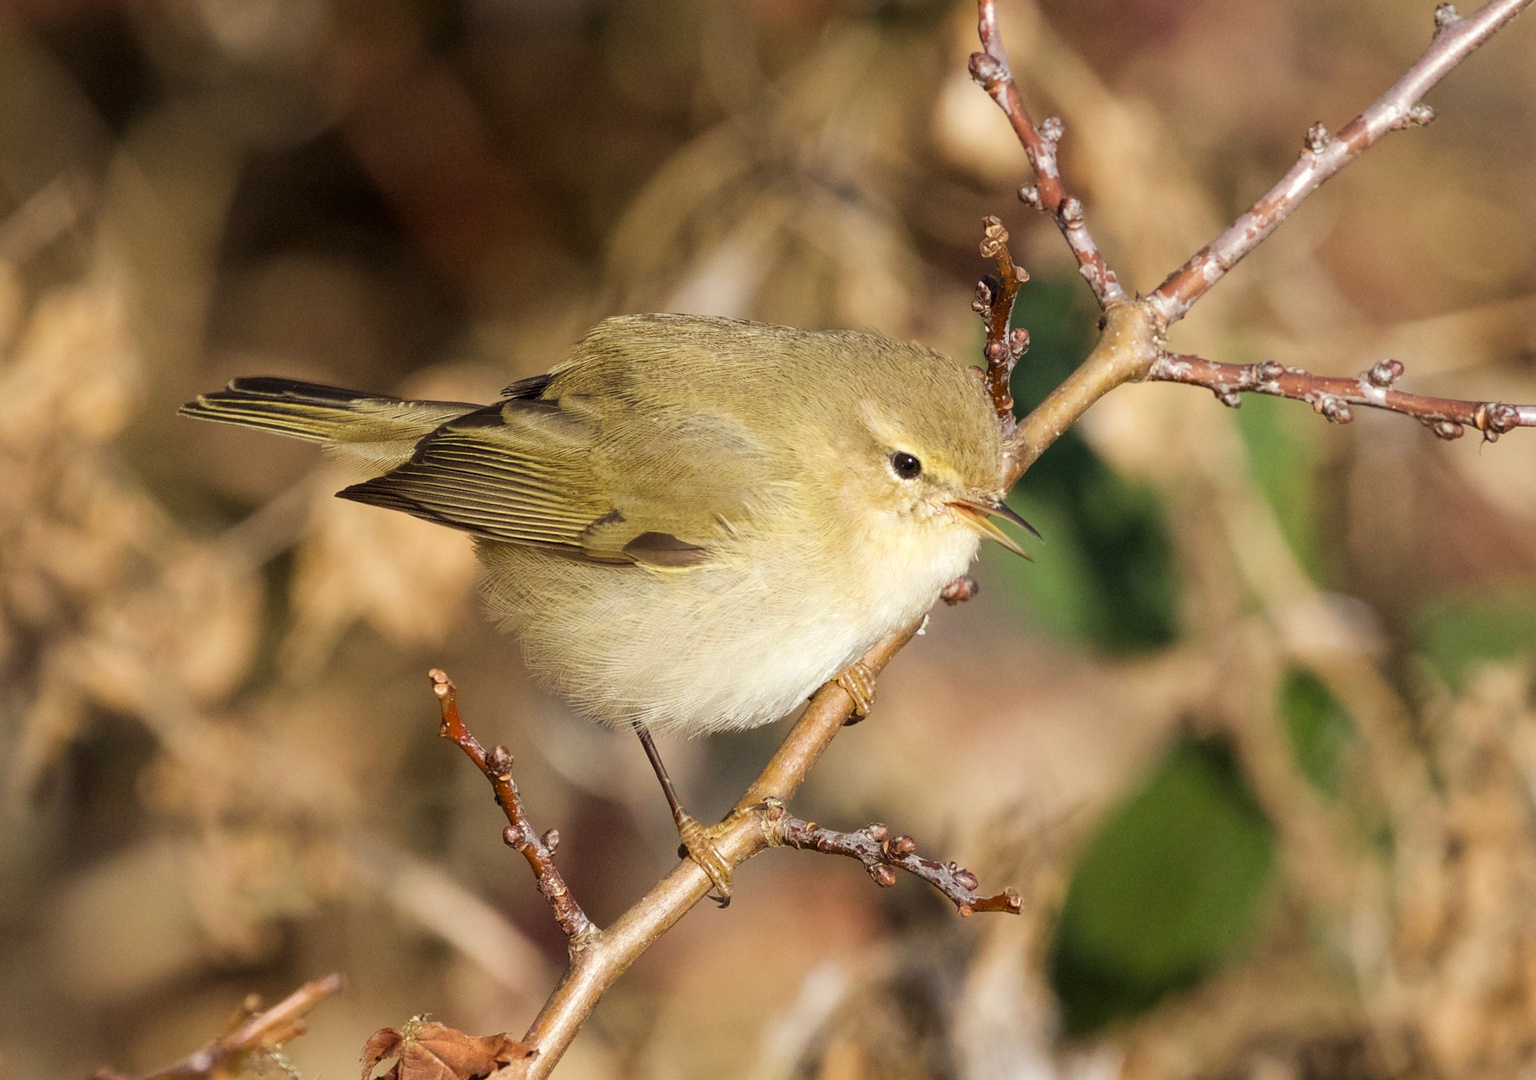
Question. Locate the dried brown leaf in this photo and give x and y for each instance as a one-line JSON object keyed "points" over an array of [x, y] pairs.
{"points": [[433, 1051], [382, 1044]]}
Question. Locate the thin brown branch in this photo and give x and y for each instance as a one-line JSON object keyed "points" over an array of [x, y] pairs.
{"points": [[263, 1031], [519, 833], [994, 303], [1324, 155], [1335, 398], [882, 855], [990, 70]]}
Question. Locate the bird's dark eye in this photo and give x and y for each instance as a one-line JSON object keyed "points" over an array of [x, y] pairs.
{"points": [[905, 465]]}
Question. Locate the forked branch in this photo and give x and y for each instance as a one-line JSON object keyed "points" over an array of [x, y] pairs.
{"points": [[598, 957], [1131, 346]]}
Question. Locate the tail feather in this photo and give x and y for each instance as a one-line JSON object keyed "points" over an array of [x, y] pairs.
{"points": [[374, 430]]}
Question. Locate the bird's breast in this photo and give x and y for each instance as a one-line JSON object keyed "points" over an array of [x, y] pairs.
{"points": [[725, 646]]}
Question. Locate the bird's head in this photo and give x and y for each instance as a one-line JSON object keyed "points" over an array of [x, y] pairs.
{"points": [[930, 454]]}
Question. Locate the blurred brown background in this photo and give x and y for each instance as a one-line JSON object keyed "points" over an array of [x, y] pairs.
{"points": [[1255, 736]]}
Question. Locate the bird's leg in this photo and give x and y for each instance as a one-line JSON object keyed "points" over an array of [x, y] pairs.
{"points": [[859, 682], [697, 844]]}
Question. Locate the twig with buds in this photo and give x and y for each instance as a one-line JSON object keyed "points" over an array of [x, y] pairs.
{"points": [[1335, 398], [989, 68], [1324, 155], [994, 303], [882, 855], [519, 833]]}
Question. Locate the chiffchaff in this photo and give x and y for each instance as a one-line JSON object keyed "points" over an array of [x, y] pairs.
{"points": [[691, 523]]}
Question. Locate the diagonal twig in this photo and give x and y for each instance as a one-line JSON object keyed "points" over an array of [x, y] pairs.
{"points": [[263, 1031], [519, 833], [1454, 40], [989, 68]]}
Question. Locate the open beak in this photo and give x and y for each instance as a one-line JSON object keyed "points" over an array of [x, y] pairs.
{"points": [[978, 514]]}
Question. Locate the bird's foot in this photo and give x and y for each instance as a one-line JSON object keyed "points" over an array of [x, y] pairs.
{"points": [[859, 682], [699, 845]]}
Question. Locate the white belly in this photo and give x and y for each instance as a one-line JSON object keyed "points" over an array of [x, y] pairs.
{"points": [[714, 648]]}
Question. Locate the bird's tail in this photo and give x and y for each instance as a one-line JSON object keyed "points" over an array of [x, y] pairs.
{"points": [[372, 430]]}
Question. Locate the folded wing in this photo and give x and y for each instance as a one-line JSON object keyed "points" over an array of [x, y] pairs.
{"points": [[606, 486]]}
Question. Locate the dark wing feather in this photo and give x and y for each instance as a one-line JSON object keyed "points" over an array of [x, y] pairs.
{"points": [[531, 387], [306, 410], [517, 471]]}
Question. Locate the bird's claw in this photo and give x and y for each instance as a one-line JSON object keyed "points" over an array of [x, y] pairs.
{"points": [[699, 846], [859, 683]]}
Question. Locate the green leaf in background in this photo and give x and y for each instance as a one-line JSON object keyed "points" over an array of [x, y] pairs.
{"points": [[1456, 634], [1057, 591], [1105, 574], [1166, 890], [1284, 451], [1319, 728]]}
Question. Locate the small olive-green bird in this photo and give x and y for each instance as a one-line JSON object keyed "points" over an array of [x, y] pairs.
{"points": [[692, 523]]}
